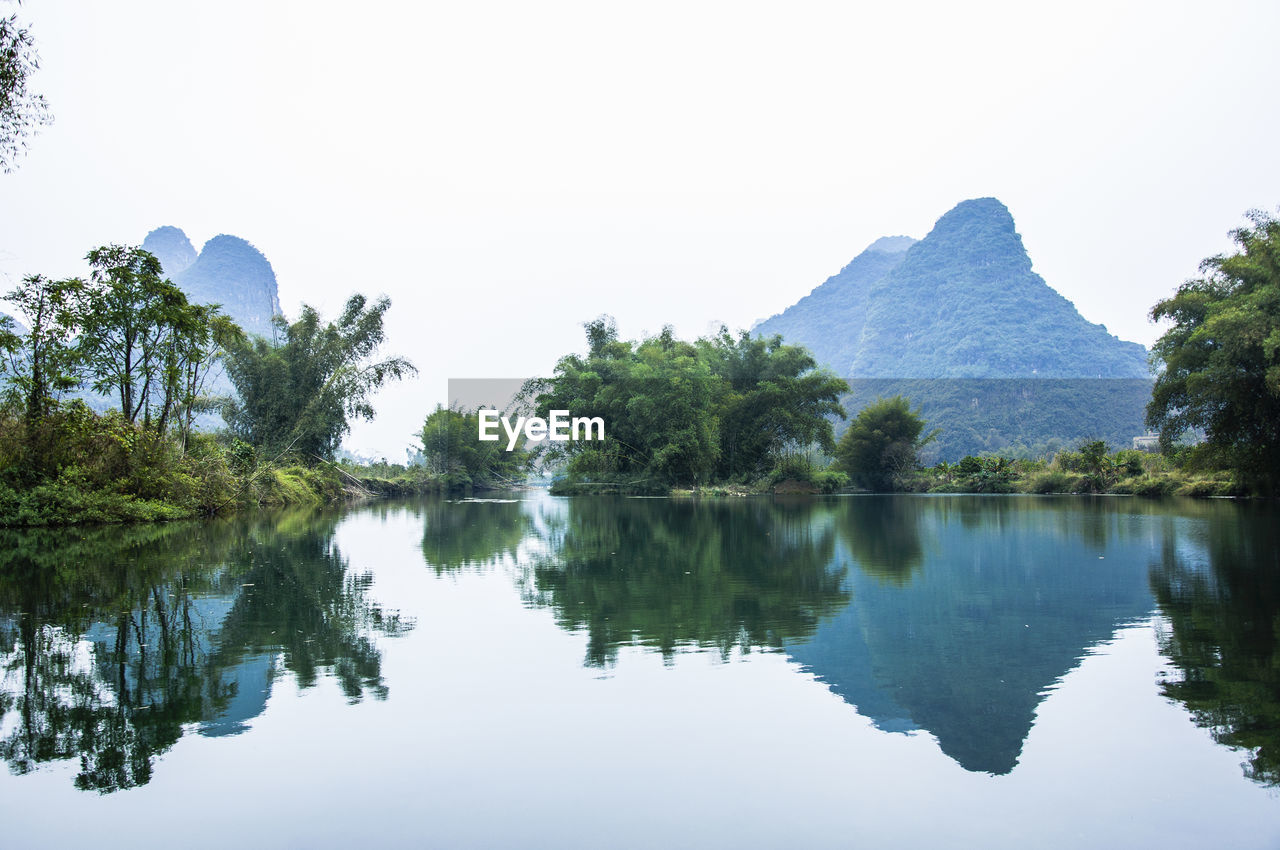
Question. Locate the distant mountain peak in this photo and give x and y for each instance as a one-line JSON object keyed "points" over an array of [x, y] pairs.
{"points": [[961, 303], [964, 304], [171, 247], [227, 242], [892, 244]]}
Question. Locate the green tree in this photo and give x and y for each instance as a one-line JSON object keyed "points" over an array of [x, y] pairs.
{"points": [[686, 413], [202, 345], [775, 399], [1221, 357], [134, 326], [882, 444], [452, 447], [41, 361], [300, 394], [131, 333], [655, 397], [22, 112]]}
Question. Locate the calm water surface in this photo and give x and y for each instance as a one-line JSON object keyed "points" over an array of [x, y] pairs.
{"points": [[533, 671]]}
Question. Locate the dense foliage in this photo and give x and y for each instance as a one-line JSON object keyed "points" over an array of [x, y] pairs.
{"points": [[130, 333], [126, 332], [1015, 417], [451, 450], [299, 395], [881, 447], [675, 412], [39, 360], [1222, 357], [1092, 468]]}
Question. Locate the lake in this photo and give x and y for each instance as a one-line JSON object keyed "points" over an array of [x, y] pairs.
{"points": [[531, 671]]}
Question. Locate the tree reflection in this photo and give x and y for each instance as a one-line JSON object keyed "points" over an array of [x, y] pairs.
{"points": [[458, 534], [300, 598], [667, 574], [1224, 635], [115, 641], [883, 535]]}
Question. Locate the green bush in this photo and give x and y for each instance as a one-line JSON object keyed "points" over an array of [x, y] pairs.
{"points": [[800, 469], [78, 466], [1147, 485], [1055, 481], [1131, 461]]}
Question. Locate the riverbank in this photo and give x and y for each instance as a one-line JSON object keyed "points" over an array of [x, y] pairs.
{"points": [[1090, 471], [77, 466], [82, 467], [72, 499]]}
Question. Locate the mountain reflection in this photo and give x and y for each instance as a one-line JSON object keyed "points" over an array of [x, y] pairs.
{"points": [[1224, 634], [114, 641], [966, 611]]}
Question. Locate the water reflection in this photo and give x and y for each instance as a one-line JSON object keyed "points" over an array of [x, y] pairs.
{"points": [[968, 610], [115, 640], [670, 574], [956, 616], [951, 616], [470, 532], [883, 535], [1223, 634]]}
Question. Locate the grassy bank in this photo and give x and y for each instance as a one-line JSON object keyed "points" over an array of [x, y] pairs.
{"points": [[791, 474], [79, 466], [1091, 470], [84, 467], [393, 479]]}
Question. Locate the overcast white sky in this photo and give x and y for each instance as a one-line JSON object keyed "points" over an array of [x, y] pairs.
{"points": [[506, 171]]}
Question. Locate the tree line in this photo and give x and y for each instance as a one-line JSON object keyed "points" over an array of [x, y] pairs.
{"points": [[720, 408], [128, 335]]}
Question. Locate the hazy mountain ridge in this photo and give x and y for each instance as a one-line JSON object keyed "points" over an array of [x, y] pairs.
{"points": [[829, 321], [228, 271], [171, 247], [18, 328]]}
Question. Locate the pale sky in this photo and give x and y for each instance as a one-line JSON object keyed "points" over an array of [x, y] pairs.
{"points": [[507, 171]]}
